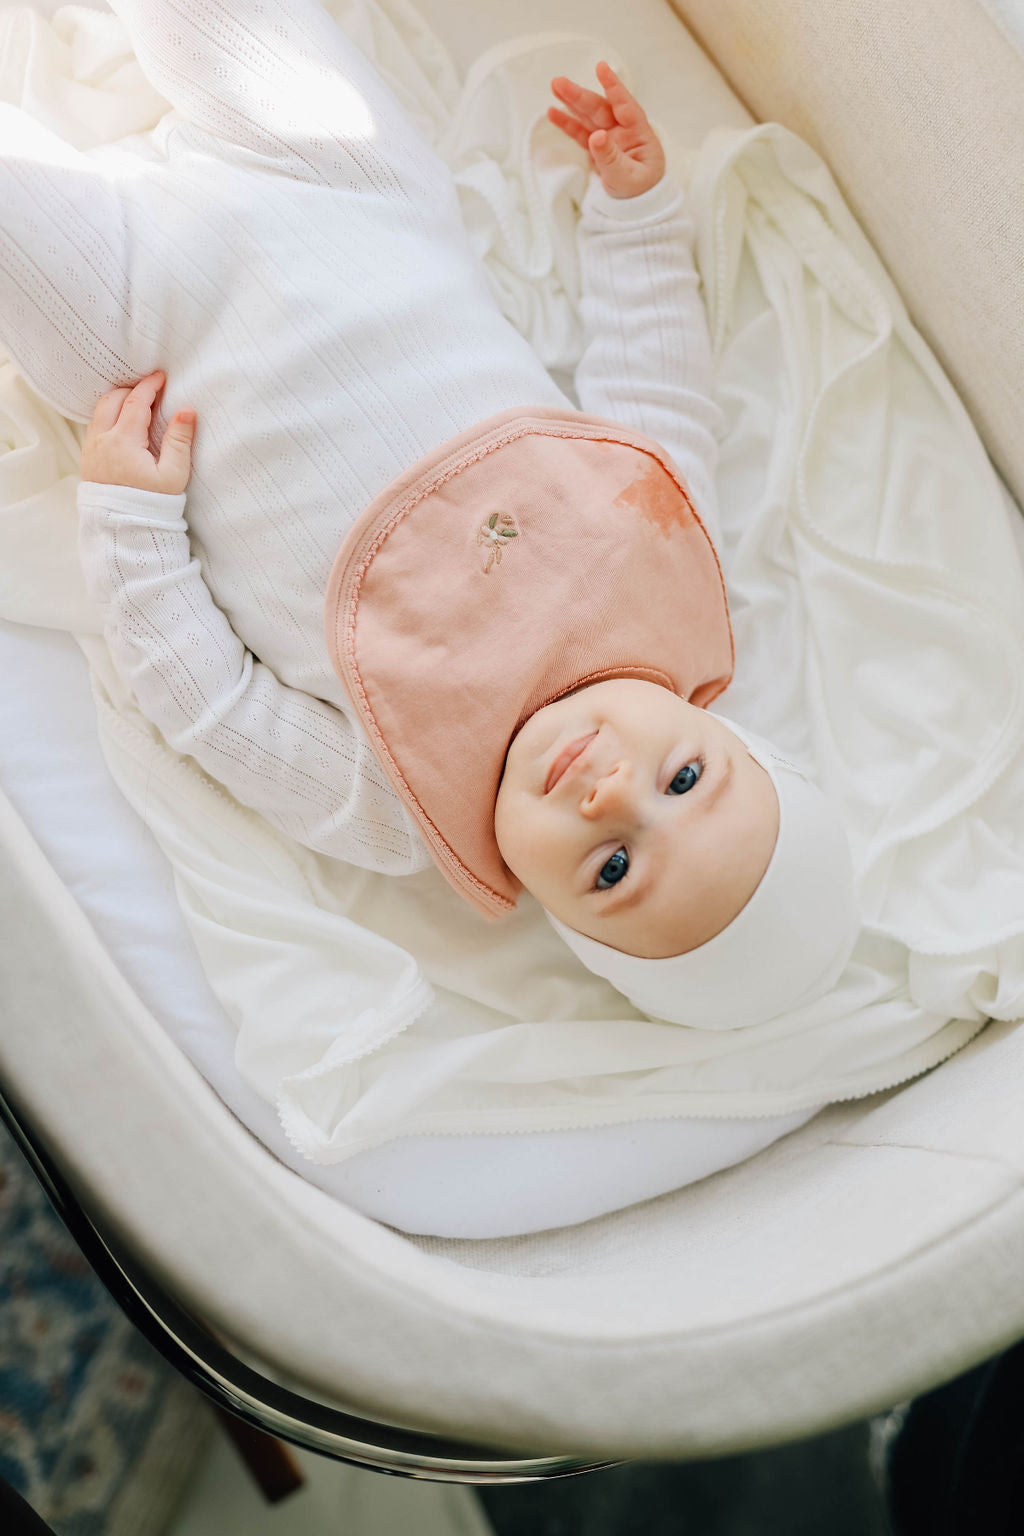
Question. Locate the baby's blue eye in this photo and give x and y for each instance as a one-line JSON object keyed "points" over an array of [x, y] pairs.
{"points": [[686, 778], [614, 870]]}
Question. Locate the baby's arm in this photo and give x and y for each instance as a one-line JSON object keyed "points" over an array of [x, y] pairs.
{"points": [[647, 356], [294, 758]]}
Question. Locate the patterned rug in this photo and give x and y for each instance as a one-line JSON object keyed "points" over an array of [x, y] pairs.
{"points": [[97, 1432]]}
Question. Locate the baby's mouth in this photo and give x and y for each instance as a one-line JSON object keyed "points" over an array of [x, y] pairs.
{"points": [[567, 755]]}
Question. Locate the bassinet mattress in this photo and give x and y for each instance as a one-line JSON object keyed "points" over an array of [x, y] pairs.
{"points": [[51, 767]]}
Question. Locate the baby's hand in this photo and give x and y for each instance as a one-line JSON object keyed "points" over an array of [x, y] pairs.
{"points": [[116, 449], [623, 147]]}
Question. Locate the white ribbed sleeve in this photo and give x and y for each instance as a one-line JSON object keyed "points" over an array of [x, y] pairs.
{"points": [[297, 760], [647, 357]]}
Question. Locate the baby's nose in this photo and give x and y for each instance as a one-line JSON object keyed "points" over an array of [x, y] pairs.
{"points": [[612, 791]]}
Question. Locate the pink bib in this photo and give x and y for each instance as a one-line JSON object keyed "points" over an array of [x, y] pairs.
{"points": [[537, 552]]}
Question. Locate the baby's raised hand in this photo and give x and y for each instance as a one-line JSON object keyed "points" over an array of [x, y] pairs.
{"points": [[116, 449], [623, 147]]}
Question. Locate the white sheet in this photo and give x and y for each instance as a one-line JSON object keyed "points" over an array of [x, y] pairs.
{"points": [[736, 467]]}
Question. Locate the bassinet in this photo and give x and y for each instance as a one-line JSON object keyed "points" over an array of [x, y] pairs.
{"points": [[868, 1257]]}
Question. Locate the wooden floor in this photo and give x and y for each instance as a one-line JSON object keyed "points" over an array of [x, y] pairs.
{"points": [[335, 1500], [819, 1487]]}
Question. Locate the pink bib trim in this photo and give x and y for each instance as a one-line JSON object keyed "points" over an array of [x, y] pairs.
{"points": [[537, 552]]}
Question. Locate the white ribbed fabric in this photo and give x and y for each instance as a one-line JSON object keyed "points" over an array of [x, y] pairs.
{"points": [[309, 288]]}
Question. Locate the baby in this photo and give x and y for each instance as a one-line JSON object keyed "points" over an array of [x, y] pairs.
{"points": [[678, 855]]}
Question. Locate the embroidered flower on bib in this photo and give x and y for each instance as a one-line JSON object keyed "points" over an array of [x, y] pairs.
{"points": [[498, 527]]}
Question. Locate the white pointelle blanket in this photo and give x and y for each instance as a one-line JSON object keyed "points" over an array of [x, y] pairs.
{"points": [[878, 603]]}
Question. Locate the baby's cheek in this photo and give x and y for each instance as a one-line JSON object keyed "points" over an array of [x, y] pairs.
{"points": [[519, 833], [505, 829]]}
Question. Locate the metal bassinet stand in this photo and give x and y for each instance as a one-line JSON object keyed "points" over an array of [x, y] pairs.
{"points": [[192, 1349]]}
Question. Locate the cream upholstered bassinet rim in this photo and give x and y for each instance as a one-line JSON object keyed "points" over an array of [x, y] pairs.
{"points": [[919, 111]]}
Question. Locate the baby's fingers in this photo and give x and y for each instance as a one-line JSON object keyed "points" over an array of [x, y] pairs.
{"points": [[137, 410], [627, 110], [591, 108], [570, 126], [108, 409], [175, 463]]}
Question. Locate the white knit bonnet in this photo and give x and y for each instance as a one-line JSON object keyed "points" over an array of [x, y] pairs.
{"points": [[786, 947]]}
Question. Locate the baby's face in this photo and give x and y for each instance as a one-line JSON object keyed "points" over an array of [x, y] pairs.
{"points": [[635, 818]]}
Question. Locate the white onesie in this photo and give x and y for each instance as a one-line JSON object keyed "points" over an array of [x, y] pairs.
{"points": [[278, 731], [292, 749]]}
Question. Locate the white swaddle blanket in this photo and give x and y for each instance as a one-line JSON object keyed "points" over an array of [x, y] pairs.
{"points": [[877, 603]]}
